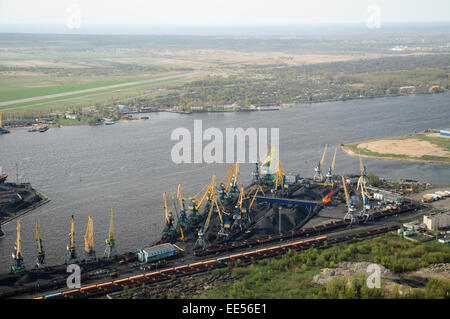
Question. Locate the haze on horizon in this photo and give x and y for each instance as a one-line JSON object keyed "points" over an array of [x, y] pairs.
{"points": [[14, 14]]}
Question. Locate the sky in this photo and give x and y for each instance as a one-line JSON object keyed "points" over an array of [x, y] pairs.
{"points": [[195, 12]]}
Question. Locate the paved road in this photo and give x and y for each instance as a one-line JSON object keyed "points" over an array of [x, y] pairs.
{"points": [[114, 86]]}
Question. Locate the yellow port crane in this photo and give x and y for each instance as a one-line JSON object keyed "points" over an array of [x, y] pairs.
{"points": [[169, 232], [182, 218], [89, 240], [40, 260], [350, 215], [18, 265], [363, 172], [224, 186], [279, 182], [110, 250], [234, 185], [318, 170], [366, 206], [71, 253]]}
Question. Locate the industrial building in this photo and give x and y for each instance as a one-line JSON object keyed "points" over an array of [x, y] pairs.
{"points": [[437, 220], [154, 253]]}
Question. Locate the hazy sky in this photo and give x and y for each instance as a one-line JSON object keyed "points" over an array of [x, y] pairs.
{"points": [[220, 11]]}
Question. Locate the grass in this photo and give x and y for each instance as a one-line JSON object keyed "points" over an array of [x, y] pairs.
{"points": [[291, 275], [87, 99]]}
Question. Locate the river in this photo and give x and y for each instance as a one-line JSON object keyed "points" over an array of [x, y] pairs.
{"points": [[85, 169]]}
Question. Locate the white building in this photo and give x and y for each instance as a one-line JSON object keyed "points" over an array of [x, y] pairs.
{"points": [[437, 220]]}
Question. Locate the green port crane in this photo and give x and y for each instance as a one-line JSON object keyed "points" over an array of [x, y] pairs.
{"points": [[18, 266], [110, 250], [40, 260], [89, 241], [71, 254], [318, 170], [350, 215]]}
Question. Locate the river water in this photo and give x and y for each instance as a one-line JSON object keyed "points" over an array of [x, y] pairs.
{"points": [[85, 170]]}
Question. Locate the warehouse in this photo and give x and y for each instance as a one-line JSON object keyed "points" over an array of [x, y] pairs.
{"points": [[437, 220]]}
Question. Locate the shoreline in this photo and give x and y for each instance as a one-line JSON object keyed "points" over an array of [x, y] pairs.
{"points": [[281, 106], [351, 153], [44, 200]]}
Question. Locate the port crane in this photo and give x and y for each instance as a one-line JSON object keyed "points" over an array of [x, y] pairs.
{"points": [[169, 232], [363, 172], [241, 209], [329, 176], [229, 179], [89, 241], [40, 260], [182, 219], [266, 165], [195, 204], [243, 206], [110, 250], [18, 265], [366, 206], [225, 224], [279, 183], [71, 254], [234, 184], [202, 241], [350, 215], [318, 170]]}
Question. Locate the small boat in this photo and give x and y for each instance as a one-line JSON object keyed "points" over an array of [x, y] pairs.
{"points": [[43, 129], [144, 118], [109, 122]]}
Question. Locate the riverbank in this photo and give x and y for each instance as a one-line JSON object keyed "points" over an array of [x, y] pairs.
{"points": [[422, 147], [28, 199]]}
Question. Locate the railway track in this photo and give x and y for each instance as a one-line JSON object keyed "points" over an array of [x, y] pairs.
{"points": [[304, 232], [97, 290]]}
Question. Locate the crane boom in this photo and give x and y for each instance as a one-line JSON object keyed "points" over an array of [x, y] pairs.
{"points": [[111, 226], [334, 159], [38, 237], [236, 173], [72, 233], [347, 197], [18, 241], [180, 196], [361, 166], [166, 214], [89, 236], [323, 155]]}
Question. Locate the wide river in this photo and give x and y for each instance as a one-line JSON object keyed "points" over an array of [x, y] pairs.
{"points": [[85, 170]]}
